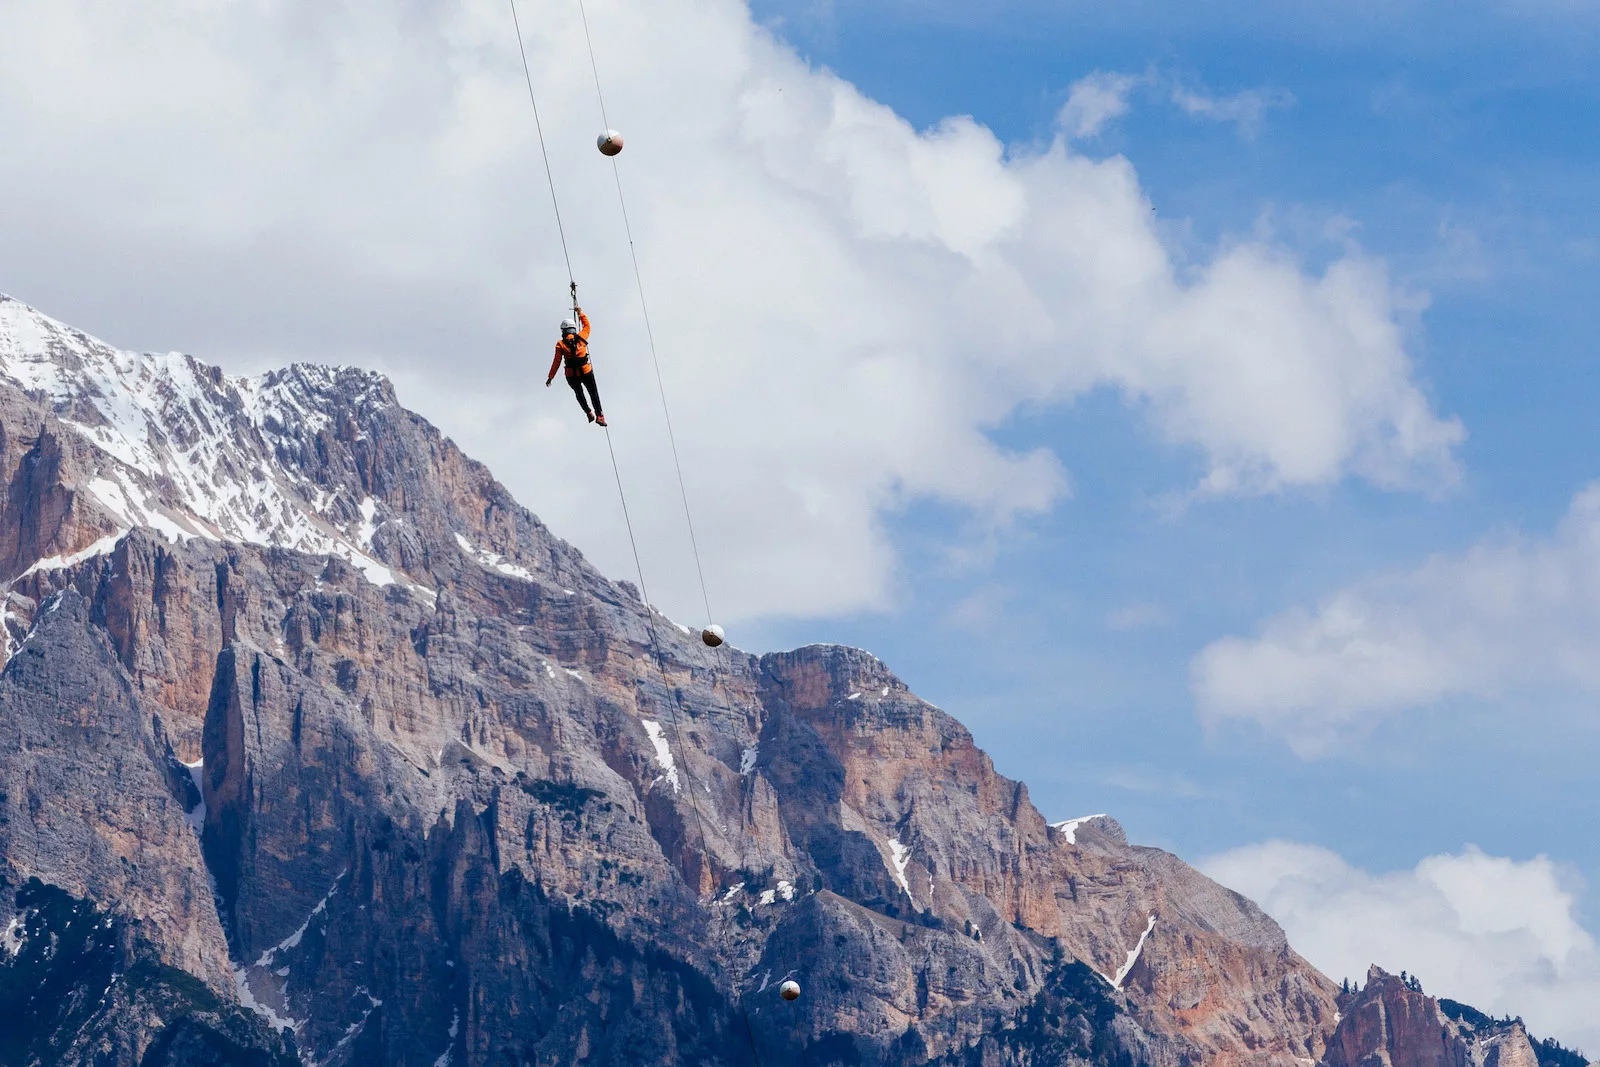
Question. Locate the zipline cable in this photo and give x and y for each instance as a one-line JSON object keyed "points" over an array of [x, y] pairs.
{"points": [[649, 331], [550, 177], [661, 390], [655, 645], [674, 702]]}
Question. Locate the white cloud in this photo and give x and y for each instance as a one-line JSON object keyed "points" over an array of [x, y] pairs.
{"points": [[844, 304], [1093, 101], [1509, 614], [1244, 109], [1502, 935], [1098, 99]]}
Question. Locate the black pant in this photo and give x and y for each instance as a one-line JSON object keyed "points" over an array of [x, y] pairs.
{"points": [[578, 381]]}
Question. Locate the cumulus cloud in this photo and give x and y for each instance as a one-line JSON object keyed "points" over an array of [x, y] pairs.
{"points": [[845, 304], [1509, 614], [1093, 101], [1502, 935], [1244, 109]]}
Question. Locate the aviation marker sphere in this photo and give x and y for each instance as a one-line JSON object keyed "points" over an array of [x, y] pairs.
{"points": [[789, 990], [712, 635], [609, 143]]}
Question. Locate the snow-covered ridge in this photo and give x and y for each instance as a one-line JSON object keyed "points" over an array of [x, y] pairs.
{"points": [[98, 548], [191, 452], [1069, 827]]}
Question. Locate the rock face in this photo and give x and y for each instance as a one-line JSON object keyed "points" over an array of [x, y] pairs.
{"points": [[1392, 1023], [364, 765], [74, 977]]}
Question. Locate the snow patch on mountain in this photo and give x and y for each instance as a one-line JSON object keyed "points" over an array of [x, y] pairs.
{"points": [[355, 1028], [13, 627], [274, 985], [99, 548], [247, 1000], [1133, 957], [455, 1028], [900, 856], [663, 751], [493, 560], [364, 532], [132, 508], [1069, 827], [293, 940], [196, 816]]}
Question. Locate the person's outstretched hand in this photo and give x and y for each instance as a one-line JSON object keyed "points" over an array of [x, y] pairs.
{"points": [[548, 380]]}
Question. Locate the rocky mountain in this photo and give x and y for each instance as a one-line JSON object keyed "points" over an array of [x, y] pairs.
{"points": [[316, 746], [1391, 1022]]}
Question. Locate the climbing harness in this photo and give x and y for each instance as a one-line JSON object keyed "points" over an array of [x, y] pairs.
{"points": [[576, 359]]}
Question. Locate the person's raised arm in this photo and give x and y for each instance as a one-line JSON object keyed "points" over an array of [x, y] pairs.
{"points": [[583, 321]]}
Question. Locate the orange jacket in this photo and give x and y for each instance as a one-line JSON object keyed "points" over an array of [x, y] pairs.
{"points": [[580, 358]]}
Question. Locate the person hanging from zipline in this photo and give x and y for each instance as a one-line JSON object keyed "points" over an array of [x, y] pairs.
{"points": [[573, 350]]}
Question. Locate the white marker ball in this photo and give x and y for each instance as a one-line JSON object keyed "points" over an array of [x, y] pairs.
{"points": [[789, 990], [713, 635], [609, 143]]}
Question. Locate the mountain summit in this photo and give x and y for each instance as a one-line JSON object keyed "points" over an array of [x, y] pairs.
{"points": [[316, 746]]}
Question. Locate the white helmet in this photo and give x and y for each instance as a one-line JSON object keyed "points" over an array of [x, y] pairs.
{"points": [[568, 324]]}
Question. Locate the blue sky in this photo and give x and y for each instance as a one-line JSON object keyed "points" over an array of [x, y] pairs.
{"points": [[1458, 146], [908, 428], [1461, 152]]}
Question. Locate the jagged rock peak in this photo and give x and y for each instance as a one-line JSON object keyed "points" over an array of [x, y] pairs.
{"points": [[1391, 1022], [189, 451], [316, 459]]}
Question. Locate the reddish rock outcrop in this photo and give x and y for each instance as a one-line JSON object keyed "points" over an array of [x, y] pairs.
{"points": [[1391, 1022]]}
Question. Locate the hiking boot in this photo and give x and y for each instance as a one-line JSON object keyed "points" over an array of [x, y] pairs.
{"points": [[591, 416], [601, 419]]}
